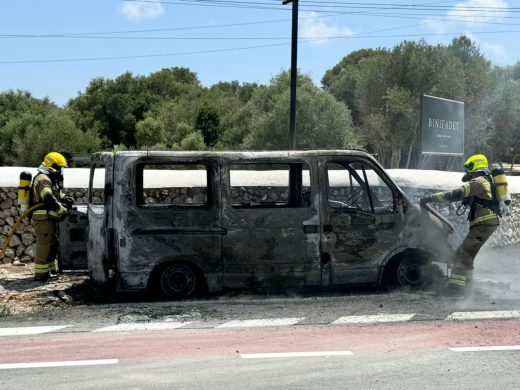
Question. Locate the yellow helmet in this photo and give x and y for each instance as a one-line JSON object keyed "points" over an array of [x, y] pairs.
{"points": [[54, 161], [476, 163]]}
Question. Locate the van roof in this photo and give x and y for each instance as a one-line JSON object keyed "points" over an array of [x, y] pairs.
{"points": [[244, 154]]}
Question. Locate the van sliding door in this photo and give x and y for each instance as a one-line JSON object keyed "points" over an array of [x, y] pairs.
{"points": [[272, 223]]}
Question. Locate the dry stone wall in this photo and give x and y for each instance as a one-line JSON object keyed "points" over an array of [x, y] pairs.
{"points": [[22, 246]]}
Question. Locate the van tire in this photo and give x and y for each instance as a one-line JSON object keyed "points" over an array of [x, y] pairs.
{"points": [[408, 270], [178, 281]]}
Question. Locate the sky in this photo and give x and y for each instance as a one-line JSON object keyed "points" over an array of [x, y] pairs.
{"points": [[54, 48]]}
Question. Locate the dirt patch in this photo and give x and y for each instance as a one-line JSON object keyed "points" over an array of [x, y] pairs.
{"points": [[20, 293]]}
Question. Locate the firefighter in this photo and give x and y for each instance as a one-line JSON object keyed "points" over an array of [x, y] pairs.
{"points": [[46, 189], [477, 193]]}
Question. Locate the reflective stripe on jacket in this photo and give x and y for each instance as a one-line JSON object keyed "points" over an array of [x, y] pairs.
{"points": [[478, 187], [45, 192]]}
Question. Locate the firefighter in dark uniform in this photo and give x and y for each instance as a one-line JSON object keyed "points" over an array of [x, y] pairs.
{"points": [[46, 189], [477, 193]]}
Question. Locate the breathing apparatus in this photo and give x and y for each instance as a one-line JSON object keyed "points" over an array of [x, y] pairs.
{"points": [[477, 165], [501, 187], [24, 191]]}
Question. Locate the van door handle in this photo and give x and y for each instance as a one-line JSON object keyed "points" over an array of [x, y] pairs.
{"points": [[310, 229]]}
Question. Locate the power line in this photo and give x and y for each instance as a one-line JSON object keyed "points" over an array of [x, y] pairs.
{"points": [[328, 5], [108, 34], [143, 56], [306, 40]]}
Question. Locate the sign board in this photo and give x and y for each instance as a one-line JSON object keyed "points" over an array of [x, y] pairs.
{"points": [[442, 126]]}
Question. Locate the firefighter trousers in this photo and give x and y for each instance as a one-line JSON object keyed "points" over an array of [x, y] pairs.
{"points": [[46, 246], [462, 271]]}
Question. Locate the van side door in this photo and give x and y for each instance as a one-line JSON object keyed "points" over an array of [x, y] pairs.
{"points": [[362, 219], [100, 216], [270, 212]]}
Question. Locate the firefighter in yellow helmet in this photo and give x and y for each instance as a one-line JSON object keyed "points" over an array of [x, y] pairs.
{"points": [[46, 189], [477, 193]]}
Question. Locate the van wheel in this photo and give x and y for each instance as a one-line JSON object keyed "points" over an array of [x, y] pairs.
{"points": [[178, 281], [411, 273], [407, 271]]}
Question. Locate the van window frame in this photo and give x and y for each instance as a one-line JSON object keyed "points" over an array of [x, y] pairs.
{"points": [[95, 206], [346, 162], [138, 186], [291, 202]]}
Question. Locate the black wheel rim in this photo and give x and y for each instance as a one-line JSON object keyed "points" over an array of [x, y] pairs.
{"points": [[178, 281], [410, 274]]}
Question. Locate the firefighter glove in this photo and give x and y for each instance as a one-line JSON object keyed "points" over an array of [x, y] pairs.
{"points": [[67, 202]]}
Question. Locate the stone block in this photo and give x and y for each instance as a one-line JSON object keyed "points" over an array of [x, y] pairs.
{"points": [[26, 259], [15, 241], [20, 249], [9, 253], [28, 239], [6, 204], [10, 221], [31, 250], [12, 195]]}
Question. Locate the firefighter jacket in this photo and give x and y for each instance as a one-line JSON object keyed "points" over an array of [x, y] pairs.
{"points": [[470, 193], [44, 191]]}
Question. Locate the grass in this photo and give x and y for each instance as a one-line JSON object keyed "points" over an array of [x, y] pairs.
{"points": [[5, 311]]}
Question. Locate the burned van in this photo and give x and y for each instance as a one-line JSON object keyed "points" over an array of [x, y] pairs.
{"points": [[192, 221]]}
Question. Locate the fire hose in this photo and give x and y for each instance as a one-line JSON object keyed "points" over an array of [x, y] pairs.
{"points": [[13, 229]]}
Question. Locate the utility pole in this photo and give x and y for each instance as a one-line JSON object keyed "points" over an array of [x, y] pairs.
{"points": [[294, 71]]}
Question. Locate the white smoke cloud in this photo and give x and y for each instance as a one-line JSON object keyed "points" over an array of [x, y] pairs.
{"points": [[318, 31], [142, 10]]}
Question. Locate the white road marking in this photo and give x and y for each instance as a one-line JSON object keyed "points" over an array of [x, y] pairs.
{"points": [[29, 330], [373, 319], [260, 323], [71, 363], [294, 354], [483, 315], [143, 326], [479, 349]]}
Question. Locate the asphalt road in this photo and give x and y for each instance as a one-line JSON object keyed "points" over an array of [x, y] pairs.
{"points": [[429, 355], [345, 340]]}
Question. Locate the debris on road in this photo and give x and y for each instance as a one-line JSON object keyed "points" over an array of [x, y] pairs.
{"points": [[20, 293]]}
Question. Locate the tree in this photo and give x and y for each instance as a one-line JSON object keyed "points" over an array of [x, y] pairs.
{"points": [[114, 107], [503, 115], [384, 89], [149, 132], [208, 123], [30, 128], [36, 134], [14, 104], [322, 121]]}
